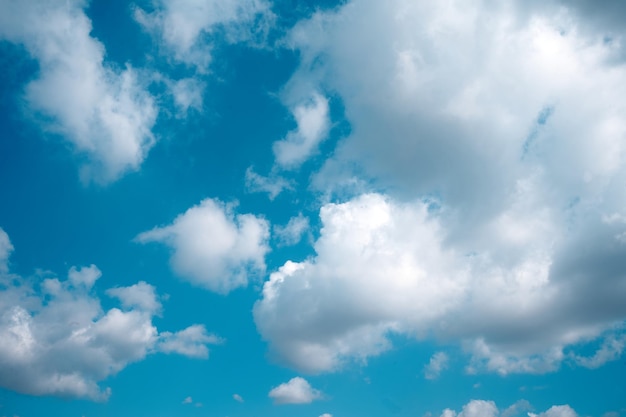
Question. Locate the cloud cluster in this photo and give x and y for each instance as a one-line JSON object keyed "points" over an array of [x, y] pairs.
{"points": [[186, 28], [481, 408], [213, 247], [383, 267], [296, 391], [55, 338], [104, 112], [499, 134]]}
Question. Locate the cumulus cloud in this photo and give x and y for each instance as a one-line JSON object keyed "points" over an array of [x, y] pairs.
{"points": [[498, 135], [313, 121], [481, 408], [186, 28], [188, 400], [238, 398], [213, 247], [383, 266], [438, 363], [296, 391], [292, 232], [55, 338], [104, 112]]}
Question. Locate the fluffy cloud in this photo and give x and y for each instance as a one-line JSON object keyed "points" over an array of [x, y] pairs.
{"points": [[296, 391], [438, 363], [312, 127], [104, 112], [55, 338], [238, 398], [186, 27], [191, 342], [382, 266], [481, 408], [499, 135], [214, 248]]}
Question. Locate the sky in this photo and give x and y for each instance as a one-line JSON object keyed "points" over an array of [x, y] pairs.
{"points": [[353, 208]]}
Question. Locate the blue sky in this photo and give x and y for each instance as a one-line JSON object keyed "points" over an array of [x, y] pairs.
{"points": [[300, 208]]}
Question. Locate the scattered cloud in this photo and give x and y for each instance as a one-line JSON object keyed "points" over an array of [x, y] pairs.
{"points": [[481, 408], [326, 415], [186, 28], [313, 121], [213, 247], [438, 363], [556, 411], [55, 338], [292, 232], [238, 398], [106, 113], [188, 400], [296, 391], [191, 342], [273, 184]]}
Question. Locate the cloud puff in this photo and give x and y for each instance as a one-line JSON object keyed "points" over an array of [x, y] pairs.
{"points": [[238, 398], [186, 27], [104, 112], [191, 342], [481, 408], [272, 184], [313, 122], [383, 266], [438, 363], [292, 232], [214, 248], [55, 338], [296, 391]]}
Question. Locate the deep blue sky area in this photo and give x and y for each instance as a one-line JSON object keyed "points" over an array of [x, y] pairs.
{"points": [[312, 208]]}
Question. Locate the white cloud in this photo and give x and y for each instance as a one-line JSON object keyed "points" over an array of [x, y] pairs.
{"points": [[187, 93], [5, 251], [501, 147], [326, 415], [292, 232], [556, 411], [313, 122], [191, 342], [85, 276], [296, 391], [188, 400], [481, 408], [55, 339], [104, 112], [273, 184], [382, 267], [438, 363], [610, 350], [214, 248], [238, 398], [141, 295], [186, 27]]}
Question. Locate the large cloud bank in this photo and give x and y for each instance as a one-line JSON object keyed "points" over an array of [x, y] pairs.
{"points": [[498, 133]]}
